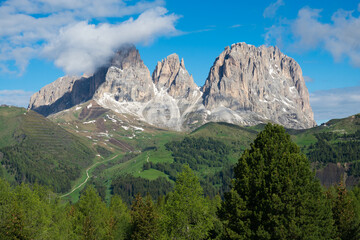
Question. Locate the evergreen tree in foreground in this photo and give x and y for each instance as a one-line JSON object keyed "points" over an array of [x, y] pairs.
{"points": [[345, 212], [119, 222], [187, 211], [144, 219], [90, 216], [275, 194]]}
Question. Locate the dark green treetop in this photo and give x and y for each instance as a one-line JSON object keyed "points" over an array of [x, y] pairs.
{"points": [[275, 194]]}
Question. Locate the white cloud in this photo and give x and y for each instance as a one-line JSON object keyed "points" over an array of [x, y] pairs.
{"points": [[79, 8], [340, 37], [308, 29], [271, 10], [275, 35], [30, 28], [236, 26], [19, 98], [335, 103], [82, 47], [308, 79]]}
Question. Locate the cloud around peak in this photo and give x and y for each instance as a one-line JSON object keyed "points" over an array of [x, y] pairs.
{"points": [[78, 36], [82, 47]]}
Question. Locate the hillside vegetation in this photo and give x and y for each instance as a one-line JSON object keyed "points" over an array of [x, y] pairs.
{"points": [[34, 149], [272, 173], [213, 149]]}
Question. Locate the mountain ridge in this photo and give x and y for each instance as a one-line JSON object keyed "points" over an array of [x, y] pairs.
{"points": [[246, 86]]}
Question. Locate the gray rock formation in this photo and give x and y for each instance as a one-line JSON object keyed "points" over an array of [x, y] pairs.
{"points": [[246, 85], [127, 79], [53, 91], [171, 74], [164, 101], [249, 85], [65, 93], [177, 94]]}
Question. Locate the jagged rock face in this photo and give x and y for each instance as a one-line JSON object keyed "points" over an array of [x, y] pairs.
{"points": [[65, 93], [53, 91], [246, 85], [164, 101], [166, 71], [171, 74], [249, 85], [127, 79], [177, 95]]}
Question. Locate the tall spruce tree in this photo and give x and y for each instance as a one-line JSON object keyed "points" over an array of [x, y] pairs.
{"points": [[144, 219], [90, 216], [275, 194], [119, 221], [345, 212], [187, 211]]}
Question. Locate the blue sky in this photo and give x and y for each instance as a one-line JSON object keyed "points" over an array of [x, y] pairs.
{"points": [[43, 40]]}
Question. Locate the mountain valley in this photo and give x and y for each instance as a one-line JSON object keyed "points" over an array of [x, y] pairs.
{"points": [[129, 128], [142, 152]]}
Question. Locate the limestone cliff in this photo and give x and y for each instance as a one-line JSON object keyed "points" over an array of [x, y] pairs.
{"points": [[249, 85], [164, 101], [66, 92], [127, 78], [246, 85]]}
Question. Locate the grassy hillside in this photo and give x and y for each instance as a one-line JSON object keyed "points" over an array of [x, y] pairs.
{"points": [[333, 149], [34, 149], [134, 141], [336, 142], [10, 119], [160, 154], [211, 151]]}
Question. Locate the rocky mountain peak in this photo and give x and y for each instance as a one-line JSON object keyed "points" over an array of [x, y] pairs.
{"points": [[246, 85], [127, 79], [182, 63], [52, 92], [256, 85], [166, 71], [66, 92], [171, 74], [127, 56]]}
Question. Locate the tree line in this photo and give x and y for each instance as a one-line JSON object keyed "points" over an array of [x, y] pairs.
{"points": [[332, 147], [199, 151], [273, 195]]}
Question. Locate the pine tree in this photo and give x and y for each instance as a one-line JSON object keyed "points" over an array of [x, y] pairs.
{"points": [[187, 212], [343, 205], [119, 221], [216, 231], [27, 213], [90, 216], [6, 198], [275, 194], [144, 219]]}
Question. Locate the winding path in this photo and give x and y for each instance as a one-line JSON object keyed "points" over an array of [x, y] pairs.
{"points": [[87, 176]]}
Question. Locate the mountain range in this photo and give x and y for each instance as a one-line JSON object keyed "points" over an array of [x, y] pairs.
{"points": [[246, 85]]}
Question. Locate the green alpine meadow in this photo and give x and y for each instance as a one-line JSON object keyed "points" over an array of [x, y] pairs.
{"points": [[269, 192]]}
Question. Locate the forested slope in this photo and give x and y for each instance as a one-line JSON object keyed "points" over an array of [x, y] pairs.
{"points": [[274, 196], [34, 149]]}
